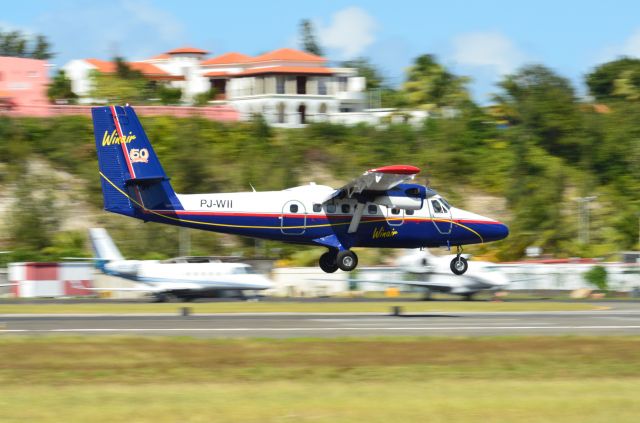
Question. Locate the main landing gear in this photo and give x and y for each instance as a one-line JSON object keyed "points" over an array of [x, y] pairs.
{"points": [[345, 260], [459, 264]]}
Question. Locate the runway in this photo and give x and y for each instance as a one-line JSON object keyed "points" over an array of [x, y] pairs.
{"points": [[288, 325]]}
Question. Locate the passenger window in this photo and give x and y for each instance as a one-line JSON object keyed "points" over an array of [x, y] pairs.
{"points": [[395, 211], [436, 206], [293, 208], [331, 208], [372, 209], [409, 212], [317, 208], [345, 208]]}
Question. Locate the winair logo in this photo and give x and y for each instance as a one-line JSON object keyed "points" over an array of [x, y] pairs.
{"points": [[113, 138], [382, 232]]}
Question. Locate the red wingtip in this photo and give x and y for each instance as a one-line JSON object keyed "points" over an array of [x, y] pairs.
{"points": [[397, 169]]}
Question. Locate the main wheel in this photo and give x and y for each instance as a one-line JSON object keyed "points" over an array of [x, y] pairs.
{"points": [[459, 265], [347, 260], [328, 262]]}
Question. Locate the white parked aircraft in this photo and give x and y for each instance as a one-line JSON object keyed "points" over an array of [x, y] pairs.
{"points": [[173, 279], [422, 269]]}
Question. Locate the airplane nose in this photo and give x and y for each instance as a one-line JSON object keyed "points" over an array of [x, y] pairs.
{"points": [[502, 231], [496, 232]]}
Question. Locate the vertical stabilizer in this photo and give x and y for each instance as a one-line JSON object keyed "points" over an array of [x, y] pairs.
{"points": [[133, 180], [103, 245]]}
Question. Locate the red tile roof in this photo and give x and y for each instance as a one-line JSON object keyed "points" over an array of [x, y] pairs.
{"points": [[217, 73], [287, 69], [160, 56], [288, 54], [187, 50], [147, 69], [102, 66], [227, 59]]}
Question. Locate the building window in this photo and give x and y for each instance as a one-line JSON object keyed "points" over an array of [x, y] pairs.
{"points": [[301, 84], [279, 84], [322, 86], [280, 112], [302, 111], [322, 112], [342, 83]]}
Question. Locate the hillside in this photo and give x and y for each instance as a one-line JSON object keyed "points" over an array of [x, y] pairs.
{"points": [[50, 189]]}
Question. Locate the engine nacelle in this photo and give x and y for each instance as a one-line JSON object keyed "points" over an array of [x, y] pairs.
{"points": [[403, 196]]}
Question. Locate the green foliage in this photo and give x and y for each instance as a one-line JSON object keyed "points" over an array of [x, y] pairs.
{"points": [[60, 89], [169, 95], [597, 276], [16, 44], [308, 38], [112, 89], [618, 79], [430, 85]]}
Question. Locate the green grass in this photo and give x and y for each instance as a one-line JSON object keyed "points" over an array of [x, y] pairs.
{"points": [[499, 379], [289, 306]]}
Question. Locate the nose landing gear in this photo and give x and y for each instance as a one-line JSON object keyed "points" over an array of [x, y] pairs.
{"points": [[459, 264]]}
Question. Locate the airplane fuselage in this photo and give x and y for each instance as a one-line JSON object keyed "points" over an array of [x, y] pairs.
{"points": [[295, 215]]}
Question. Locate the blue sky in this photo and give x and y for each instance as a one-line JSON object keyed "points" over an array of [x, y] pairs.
{"points": [[481, 39]]}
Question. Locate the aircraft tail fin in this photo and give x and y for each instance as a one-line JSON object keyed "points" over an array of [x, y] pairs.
{"points": [[103, 245], [133, 180]]}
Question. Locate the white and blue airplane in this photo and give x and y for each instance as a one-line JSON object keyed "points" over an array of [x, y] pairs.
{"points": [[182, 278], [378, 209]]}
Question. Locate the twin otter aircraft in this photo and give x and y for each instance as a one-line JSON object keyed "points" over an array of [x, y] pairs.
{"points": [[377, 209]]}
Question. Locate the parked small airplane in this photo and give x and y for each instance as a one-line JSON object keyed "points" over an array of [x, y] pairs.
{"points": [[377, 209], [422, 269], [180, 279]]}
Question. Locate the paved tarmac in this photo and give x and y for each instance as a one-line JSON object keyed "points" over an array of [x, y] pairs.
{"points": [[624, 320]]}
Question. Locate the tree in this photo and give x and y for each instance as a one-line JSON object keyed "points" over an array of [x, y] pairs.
{"points": [[60, 88], [42, 49], [308, 38], [430, 85], [545, 104], [616, 79], [16, 44]]}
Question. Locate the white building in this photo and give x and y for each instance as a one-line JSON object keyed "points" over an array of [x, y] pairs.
{"points": [[288, 87]]}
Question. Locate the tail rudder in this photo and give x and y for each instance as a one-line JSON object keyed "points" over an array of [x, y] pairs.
{"points": [[103, 246], [133, 179]]}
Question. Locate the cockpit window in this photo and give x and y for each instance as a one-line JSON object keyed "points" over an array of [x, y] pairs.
{"points": [[445, 202], [437, 207]]}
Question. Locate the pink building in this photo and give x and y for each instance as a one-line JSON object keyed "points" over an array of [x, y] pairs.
{"points": [[23, 86]]}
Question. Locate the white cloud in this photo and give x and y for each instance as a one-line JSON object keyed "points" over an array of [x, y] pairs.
{"points": [[630, 47], [135, 29], [487, 49], [350, 32]]}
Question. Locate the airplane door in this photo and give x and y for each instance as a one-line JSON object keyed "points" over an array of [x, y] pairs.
{"points": [[440, 216], [293, 220], [395, 217]]}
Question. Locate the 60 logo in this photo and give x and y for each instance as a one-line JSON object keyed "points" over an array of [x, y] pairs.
{"points": [[139, 155]]}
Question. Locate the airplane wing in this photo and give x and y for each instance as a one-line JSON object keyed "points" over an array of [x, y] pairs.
{"points": [[151, 288], [378, 179], [373, 181]]}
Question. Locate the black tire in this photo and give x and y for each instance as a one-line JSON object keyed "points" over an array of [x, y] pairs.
{"points": [[347, 260], [328, 263], [459, 265]]}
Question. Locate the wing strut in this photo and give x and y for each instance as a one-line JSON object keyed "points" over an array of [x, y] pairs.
{"points": [[355, 220]]}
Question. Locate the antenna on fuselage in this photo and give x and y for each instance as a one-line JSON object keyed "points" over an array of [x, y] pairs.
{"points": [[252, 188]]}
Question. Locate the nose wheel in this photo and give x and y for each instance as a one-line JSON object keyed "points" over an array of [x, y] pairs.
{"points": [[459, 264]]}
